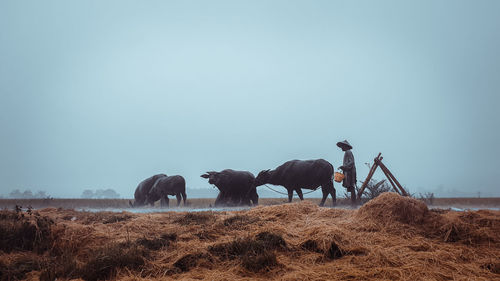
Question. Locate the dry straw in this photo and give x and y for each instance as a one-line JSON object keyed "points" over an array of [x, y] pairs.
{"points": [[389, 238]]}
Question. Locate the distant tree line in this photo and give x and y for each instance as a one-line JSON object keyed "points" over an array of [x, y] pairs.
{"points": [[27, 194], [100, 194]]}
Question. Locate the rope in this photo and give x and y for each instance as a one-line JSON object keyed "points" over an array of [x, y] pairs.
{"points": [[311, 191], [303, 193], [275, 190]]}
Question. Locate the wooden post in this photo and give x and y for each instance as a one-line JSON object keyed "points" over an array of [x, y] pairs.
{"points": [[370, 174], [390, 175], [394, 182], [390, 180]]}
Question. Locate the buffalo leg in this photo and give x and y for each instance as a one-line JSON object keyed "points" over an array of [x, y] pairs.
{"points": [[290, 194], [299, 193], [183, 194], [232, 200], [220, 199], [164, 201], [329, 188], [252, 197], [255, 200], [325, 195], [334, 196], [242, 200], [178, 196], [255, 197]]}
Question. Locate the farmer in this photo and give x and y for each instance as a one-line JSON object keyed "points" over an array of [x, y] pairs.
{"points": [[349, 169]]}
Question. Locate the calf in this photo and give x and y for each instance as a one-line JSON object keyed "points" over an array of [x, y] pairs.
{"points": [[142, 190], [236, 187], [173, 185]]}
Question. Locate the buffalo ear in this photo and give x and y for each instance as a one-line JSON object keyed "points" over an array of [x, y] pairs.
{"points": [[205, 176]]}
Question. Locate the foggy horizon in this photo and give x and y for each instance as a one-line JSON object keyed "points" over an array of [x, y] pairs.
{"points": [[103, 94]]}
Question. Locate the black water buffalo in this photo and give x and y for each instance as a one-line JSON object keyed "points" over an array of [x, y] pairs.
{"points": [[297, 174], [236, 187], [172, 185], [142, 190]]}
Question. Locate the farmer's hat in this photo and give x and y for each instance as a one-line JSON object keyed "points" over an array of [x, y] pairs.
{"points": [[345, 144]]}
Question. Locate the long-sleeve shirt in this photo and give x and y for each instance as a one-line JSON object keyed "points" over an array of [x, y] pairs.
{"points": [[349, 168]]}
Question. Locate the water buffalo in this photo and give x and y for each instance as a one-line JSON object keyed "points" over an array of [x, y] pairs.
{"points": [[142, 190], [236, 187], [172, 185], [297, 174]]}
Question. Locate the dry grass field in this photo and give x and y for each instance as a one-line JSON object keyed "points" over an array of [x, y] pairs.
{"points": [[388, 238]]}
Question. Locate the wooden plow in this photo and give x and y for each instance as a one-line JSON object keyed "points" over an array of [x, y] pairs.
{"points": [[394, 182]]}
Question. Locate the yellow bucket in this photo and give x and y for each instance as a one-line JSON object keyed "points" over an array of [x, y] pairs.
{"points": [[338, 177]]}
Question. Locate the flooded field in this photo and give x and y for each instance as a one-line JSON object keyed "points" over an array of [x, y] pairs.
{"points": [[391, 238]]}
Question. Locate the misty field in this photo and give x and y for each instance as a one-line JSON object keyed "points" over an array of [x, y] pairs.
{"points": [[198, 203], [389, 238]]}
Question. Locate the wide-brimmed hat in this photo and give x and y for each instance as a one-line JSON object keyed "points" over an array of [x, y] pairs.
{"points": [[345, 144]]}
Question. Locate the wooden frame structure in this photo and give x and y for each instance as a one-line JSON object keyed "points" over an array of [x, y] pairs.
{"points": [[394, 182]]}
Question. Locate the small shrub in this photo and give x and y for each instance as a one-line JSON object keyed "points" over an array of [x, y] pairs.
{"points": [[427, 197], [375, 188]]}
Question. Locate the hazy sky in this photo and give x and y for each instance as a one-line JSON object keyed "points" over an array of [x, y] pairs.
{"points": [[102, 94]]}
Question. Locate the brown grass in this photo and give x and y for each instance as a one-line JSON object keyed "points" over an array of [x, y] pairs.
{"points": [[389, 238]]}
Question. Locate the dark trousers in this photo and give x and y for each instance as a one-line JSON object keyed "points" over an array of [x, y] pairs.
{"points": [[352, 190]]}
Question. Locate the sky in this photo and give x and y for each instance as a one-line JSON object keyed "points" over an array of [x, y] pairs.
{"points": [[103, 94]]}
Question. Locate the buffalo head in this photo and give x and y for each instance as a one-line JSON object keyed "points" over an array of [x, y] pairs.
{"points": [[262, 178], [211, 176]]}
